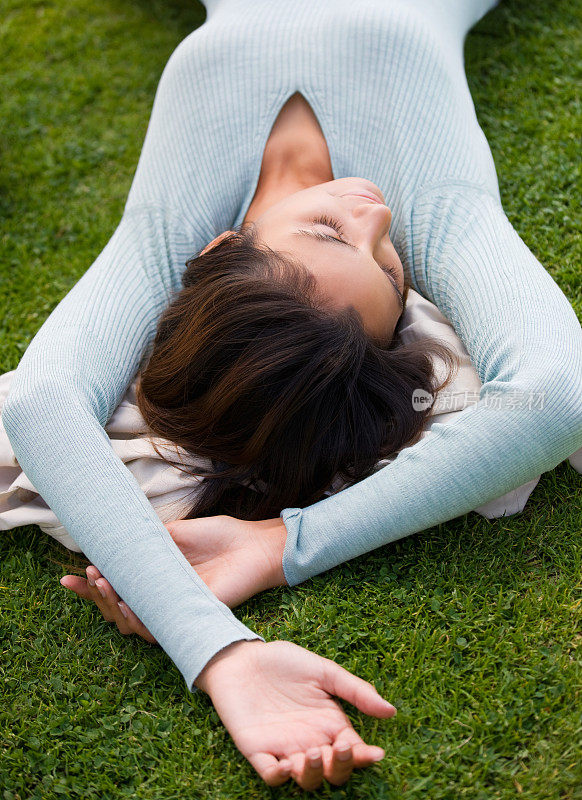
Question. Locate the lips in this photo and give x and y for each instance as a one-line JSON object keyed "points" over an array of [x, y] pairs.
{"points": [[367, 195]]}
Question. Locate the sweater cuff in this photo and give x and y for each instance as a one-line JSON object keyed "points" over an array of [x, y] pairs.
{"points": [[292, 519], [221, 640]]}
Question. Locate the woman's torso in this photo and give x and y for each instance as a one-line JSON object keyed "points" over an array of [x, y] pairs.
{"points": [[383, 81]]}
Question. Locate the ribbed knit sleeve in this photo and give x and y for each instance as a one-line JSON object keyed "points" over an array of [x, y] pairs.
{"points": [[65, 388], [525, 341]]}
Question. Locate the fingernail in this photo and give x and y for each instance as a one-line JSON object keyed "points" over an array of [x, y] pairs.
{"points": [[379, 755], [101, 590], [344, 754], [122, 609]]}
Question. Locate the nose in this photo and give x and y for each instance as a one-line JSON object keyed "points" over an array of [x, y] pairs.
{"points": [[372, 218]]}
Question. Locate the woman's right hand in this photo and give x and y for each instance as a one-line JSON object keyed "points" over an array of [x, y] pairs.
{"points": [[236, 559], [276, 701]]}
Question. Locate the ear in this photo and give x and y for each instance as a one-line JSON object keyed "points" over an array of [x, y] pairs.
{"points": [[215, 241]]}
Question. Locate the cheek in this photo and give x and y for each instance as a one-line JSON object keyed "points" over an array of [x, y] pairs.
{"points": [[395, 260]]}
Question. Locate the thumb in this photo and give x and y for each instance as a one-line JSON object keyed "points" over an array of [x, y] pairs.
{"points": [[181, 530], [341, 683]]}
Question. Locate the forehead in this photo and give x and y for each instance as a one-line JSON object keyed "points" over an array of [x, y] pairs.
{"points": [[347, 277]]}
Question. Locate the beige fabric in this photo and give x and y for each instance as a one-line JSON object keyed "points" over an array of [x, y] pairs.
{"points": [[172, 493]]}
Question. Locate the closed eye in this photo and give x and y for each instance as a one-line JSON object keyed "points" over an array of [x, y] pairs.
{"points": [[326, 237]]}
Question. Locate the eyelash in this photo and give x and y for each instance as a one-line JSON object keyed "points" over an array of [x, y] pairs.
{"points": [[329, 222], [336, 226]]}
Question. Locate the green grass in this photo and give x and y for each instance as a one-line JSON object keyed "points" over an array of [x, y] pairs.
{"points": [[471, 629]]}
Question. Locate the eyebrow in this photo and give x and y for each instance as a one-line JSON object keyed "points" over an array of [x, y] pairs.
{"points": [[322, 237]]}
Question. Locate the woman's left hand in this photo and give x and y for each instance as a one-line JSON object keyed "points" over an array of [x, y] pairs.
{"points": [[109, 603], [235, 558]]}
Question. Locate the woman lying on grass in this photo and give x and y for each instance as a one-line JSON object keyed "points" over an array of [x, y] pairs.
{"points": [[276, 352]]}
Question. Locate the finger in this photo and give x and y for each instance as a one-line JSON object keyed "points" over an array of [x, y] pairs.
{"points": [[84, 589], [104, 604], [95, 574], [107, 591], [340, 763], [109, 605], [77, 584], [362, 754], [311, 776], [110, 600], [96, 579], [340, 682], [94, 594], [127, 621], [105, 597], [272, 771], [135, 623]]}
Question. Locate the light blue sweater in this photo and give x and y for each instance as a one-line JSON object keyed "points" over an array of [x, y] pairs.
{"points": [[386, 80]]}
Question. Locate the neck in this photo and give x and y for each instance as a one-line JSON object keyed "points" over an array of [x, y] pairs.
{"points": [[286, 169]]}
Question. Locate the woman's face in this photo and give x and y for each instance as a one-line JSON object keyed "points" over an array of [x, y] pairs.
{"points": [[339, 230]]}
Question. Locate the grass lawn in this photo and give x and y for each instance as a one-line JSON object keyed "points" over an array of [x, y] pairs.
{"points": [[471, 628]]}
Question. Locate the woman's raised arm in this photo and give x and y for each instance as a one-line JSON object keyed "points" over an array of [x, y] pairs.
{"points": [[68, 383], [78, 367], [525, 341]]}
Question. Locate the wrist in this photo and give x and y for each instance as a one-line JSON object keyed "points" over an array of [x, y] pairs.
{"points": [[221, 662], [273, 533]]}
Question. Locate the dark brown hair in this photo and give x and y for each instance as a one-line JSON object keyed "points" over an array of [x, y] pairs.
{"points": [[252, 371]]}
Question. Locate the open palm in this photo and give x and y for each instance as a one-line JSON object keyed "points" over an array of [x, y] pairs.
{"points": [[276, 701], [235, 559]]}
